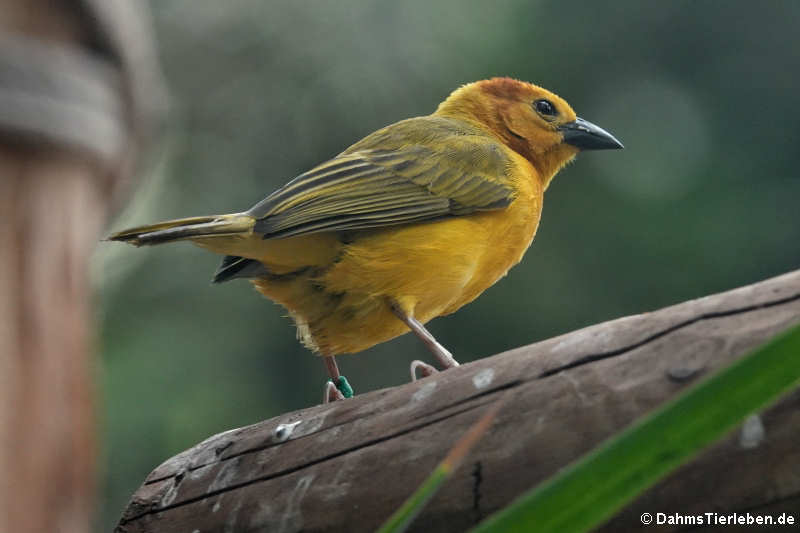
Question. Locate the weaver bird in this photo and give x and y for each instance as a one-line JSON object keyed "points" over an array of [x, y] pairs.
{"points": [[408, 224]]}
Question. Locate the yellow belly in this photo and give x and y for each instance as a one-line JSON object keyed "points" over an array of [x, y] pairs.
{"points": [[430, 269]]}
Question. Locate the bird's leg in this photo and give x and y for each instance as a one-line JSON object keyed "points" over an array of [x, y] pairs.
{"points": [[440, 352], [337, 388]]}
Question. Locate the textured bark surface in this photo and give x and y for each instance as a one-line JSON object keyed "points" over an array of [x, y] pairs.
{"points": [[349, 465]]}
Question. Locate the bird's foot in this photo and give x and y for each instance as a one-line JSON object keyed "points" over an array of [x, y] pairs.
{"points": [[424, 370], [337, 391], [331, 393]]}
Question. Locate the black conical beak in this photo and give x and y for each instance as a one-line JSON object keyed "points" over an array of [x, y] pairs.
{"points": [[586, 136]]}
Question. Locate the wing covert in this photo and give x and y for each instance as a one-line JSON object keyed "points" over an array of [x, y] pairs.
{"points": [[376, 187]]}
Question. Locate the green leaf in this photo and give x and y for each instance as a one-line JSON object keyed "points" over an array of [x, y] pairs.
{"points": [[590, 491]]}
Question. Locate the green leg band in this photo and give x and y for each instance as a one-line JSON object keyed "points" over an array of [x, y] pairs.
{"points": [[344, 386]]}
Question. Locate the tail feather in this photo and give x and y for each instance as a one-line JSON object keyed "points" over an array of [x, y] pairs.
{"points": [[233, 267], [187, 228]]}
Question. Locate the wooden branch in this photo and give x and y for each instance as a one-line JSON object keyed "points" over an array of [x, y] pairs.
{"points": [[349, 465]]}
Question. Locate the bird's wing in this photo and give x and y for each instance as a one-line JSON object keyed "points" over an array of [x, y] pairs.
{"points": [[376, 187]]}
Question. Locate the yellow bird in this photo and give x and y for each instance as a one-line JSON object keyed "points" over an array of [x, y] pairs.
{"points": [[408, 224]]}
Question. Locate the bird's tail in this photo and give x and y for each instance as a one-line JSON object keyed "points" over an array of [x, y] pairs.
{"points": [[198, 229]]}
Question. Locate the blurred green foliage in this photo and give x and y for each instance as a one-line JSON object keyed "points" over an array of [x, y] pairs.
{"points": [[705, 197]]}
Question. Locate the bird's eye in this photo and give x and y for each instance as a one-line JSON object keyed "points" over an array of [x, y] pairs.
{"points": [[545, 107]]}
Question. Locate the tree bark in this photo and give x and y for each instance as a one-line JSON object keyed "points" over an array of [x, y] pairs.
{"points": [[347, 466]]}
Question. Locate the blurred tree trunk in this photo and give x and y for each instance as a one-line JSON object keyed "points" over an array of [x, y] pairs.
{"points": [[68, 135], [52, 210]]}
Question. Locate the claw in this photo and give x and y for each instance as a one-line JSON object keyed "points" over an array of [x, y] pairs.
{"points": [[425, 369], [332, 394]]}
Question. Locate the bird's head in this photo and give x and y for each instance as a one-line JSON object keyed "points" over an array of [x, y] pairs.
{"points": [[534, 122]]}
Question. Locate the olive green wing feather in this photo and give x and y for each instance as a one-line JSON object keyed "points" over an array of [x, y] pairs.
{"points": [[369, 188]]}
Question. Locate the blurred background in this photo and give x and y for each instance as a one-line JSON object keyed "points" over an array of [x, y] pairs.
{"points": [[704, 198]]}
